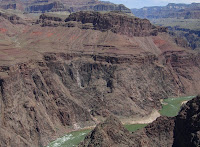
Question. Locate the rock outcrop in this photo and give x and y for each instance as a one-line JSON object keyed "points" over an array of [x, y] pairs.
{"points": [[35, 108], [115, 22], [187, 125], [108, 134]]}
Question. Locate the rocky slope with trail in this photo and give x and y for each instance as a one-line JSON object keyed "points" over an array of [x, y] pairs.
{"points": [[57, 79]]}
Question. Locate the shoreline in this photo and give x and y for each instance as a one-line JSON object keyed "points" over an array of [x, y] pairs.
{"points": [[143, 120]]}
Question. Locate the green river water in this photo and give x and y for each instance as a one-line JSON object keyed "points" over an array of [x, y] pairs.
{"points": [[171, 107]]}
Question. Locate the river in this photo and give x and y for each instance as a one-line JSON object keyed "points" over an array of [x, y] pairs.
{"points": [[170, 108]]}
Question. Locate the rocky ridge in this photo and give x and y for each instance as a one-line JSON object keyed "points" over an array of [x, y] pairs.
{"points": [[116, 22]]}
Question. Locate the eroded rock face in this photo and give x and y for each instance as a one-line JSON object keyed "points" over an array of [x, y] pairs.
{"points": [[116, 22], [34, 106]]}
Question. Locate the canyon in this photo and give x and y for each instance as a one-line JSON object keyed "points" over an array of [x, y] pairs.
{"points": [[62, 74]]}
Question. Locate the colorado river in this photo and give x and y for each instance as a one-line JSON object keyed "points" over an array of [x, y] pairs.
{"points": [[170, 108]]}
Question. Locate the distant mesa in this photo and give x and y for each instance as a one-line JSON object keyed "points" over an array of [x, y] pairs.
{"points": [[41, 6], [172, 10]]}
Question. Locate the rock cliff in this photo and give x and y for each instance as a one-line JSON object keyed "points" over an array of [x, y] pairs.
{"points": [[116, 22]]}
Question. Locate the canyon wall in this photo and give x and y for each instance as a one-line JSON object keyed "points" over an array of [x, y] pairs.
{"points": [[57, 79]]}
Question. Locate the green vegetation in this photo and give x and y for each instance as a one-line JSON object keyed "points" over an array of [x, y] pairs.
{"points": [[172, 106]]}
